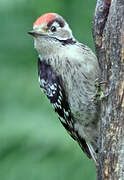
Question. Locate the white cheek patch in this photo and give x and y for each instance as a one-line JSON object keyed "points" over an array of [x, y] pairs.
{"points": [[67, 28]]}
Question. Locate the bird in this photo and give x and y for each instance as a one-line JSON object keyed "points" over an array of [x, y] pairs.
{"points": [[67, 72]]}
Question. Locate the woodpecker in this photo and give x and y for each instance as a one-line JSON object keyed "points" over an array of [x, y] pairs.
{"points": [[67, 71]]}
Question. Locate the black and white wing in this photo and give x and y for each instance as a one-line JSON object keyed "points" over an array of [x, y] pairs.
{"points": [[53, 88]]}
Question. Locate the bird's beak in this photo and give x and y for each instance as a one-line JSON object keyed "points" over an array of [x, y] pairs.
{"points": [[36, 33], [33, 33]]}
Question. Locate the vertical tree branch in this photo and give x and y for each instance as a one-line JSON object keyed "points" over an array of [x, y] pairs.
{"points": [[108, 33]]}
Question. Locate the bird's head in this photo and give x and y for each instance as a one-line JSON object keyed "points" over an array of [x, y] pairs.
{"points": [[51, 26]]}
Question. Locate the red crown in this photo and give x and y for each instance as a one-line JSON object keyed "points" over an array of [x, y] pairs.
{"points": [[45, 18]]}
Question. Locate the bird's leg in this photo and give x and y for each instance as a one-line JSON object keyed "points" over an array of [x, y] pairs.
{"points": [[100, 95]]}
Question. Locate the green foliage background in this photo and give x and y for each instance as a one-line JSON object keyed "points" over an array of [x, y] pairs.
{"points": [[33, 143]]}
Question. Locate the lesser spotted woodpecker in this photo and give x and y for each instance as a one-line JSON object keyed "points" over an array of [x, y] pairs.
{"points": [[67, 72]]}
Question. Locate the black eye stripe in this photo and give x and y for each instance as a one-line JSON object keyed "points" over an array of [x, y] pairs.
{"points": [[58, 20]]}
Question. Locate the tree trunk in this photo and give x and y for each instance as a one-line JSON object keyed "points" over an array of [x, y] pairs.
{"points": [[108, 33]]}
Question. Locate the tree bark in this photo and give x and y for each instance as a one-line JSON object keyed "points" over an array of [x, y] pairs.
{"points": [[108, 33]]}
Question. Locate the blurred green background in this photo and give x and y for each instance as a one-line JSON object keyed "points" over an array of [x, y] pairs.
{"points": [[33, 143]]}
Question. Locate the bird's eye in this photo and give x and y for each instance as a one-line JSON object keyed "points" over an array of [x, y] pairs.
{"points": [[53, 28]]}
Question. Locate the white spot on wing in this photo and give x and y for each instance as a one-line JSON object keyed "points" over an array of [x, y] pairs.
{"points": [[66, 113], [59, 101], [49, 90], [62, 120]]}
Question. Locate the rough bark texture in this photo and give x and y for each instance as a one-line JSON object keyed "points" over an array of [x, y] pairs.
{"points": [[108, 32]]}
